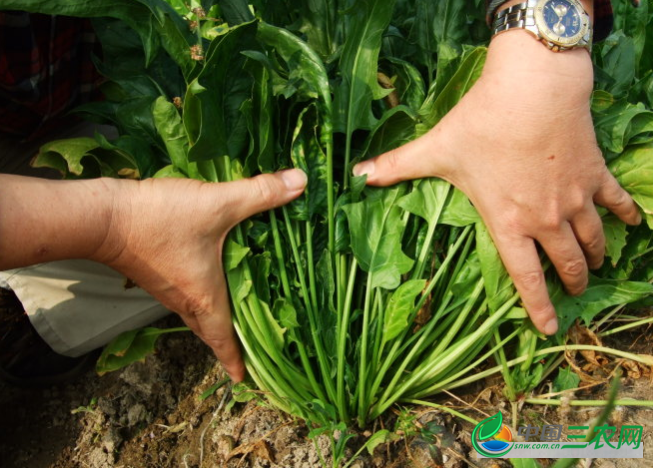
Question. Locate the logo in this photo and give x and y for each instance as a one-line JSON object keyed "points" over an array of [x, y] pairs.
{"points": [[491, 438]]}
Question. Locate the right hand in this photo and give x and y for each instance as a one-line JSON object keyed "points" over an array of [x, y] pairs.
{"points": [[521, 145]]}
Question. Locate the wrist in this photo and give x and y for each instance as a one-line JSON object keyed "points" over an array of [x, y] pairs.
{"points": [[114, 218], [516, 61]]}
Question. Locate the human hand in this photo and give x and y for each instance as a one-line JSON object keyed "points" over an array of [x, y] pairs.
{"points": [[521, 145], [167, 236]]}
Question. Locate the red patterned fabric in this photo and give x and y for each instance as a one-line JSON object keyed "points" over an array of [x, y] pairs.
{"points": [[45, 69], [602, 19]]}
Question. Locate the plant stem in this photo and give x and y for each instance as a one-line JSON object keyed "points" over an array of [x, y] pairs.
{"points": [[347, 160], [623, 402], [390, 358], [432, 369], [500, 356], [278, 251], [163, 331], [441, 407], [311, 265], [362, 369], [319, 349], [628, 326], [606, 317], [480, 360], [342, 343], [543, 352], [603, 417], [418, 269], [285, 284]]}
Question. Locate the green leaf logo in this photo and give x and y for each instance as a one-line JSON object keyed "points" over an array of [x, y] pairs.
{"points": [[485, 430], [490, 426]]}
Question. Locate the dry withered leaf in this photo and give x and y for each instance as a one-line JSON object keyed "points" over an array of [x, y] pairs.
{"points": [[584, 336], [260, 449], [392, 99]]}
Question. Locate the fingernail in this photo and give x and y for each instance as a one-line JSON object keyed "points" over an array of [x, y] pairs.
{"points": [[364, 168], [551, 327], [638, 219], [294, 179]]}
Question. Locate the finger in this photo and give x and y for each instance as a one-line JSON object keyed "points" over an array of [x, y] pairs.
{"points": [[613, 197], [588, 229], [523, 264], [417, 159], [248, 197], [567, 257], [217, 331]]}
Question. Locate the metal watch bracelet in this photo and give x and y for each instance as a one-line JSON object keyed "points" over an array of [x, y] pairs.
{"points": [[492, 8], [520, 15]]}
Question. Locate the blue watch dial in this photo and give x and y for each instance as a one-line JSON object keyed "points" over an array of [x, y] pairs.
{"points": [[562, 18]]}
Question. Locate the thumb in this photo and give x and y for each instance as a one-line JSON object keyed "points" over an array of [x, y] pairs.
{"points": [[420, 158], [248, 197]]}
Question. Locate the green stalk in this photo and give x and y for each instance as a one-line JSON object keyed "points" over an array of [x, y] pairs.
{"points": [[418, 270], [543, 352], [469, 241], [460, 319], [326, 138], [479, 361], [379, 317], [554, 402], [389, 360], [164, 331], [596, 325], [419, 376], [500, 356], [311, 265], [265, 367], [441, 407], [449, 326], [362, 369], [347, 176], [285, 366], [628, 326], [279, 403], [551, 365], [531, 350], [319, 349], [254, 316], [278, 250], [399, 373], [281, 264], [397, 350], [343, 326], [264, 379], [601, 420]]}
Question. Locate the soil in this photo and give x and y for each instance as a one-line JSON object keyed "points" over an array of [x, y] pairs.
{"points": [[150, 415]]}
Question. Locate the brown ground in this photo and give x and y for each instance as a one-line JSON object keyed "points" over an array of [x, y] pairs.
{"points": [[150, 415]]}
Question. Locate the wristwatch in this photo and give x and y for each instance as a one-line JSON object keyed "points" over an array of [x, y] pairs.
{"points": [[559, 24]]}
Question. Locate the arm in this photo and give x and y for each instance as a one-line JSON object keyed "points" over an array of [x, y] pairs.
{"points": [[521, 145], [165, 234]]}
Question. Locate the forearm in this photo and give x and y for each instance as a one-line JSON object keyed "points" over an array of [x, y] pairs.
{"points": [[43, 220]]}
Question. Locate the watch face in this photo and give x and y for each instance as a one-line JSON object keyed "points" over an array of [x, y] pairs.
{"points": [[562, 22], [561, 18]]}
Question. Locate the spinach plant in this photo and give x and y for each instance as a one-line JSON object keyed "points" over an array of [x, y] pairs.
{"points": [[351, 298]]}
